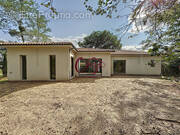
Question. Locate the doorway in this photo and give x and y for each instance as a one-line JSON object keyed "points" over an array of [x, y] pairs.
{"points": [[52, 67], [119, 66], [72, 66], [24, 67]]}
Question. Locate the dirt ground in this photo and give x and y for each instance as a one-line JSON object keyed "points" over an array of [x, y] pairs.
{"points": [[91, 106]]}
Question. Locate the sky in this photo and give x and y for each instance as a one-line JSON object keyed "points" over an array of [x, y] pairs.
{"points": [[75, 22]]}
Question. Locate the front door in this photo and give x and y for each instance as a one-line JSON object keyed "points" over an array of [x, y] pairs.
{"points": [[119, 66]]}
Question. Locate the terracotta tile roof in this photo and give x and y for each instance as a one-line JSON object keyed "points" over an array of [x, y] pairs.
{"points": [[129, 52], [34, 43], [113, 52], [94, 50], [11, 44]]}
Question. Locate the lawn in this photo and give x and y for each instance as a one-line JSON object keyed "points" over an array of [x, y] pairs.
{"points": [[91, 106]]}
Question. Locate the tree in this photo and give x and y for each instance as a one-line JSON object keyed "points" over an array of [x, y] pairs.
{"points": [[3, 61], [138, 12], [39, 30], [101, 39], [165, 36], [164, 39], [20, 18]]}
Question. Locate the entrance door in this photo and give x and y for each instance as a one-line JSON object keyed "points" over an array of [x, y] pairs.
{"points": [[53, 67], [24, 67], [119, 66], [72, 66]]}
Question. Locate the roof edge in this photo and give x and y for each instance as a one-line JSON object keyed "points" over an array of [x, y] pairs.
{"points": [[28, 44]]}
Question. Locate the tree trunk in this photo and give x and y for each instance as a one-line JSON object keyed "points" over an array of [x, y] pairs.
{"points": [[21, 28], [22, 37]]}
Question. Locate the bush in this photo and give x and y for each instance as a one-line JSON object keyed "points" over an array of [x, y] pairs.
{"points": [[171, 68]]}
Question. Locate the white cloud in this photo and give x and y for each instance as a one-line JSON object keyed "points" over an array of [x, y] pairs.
{"points": [[73, 39]]}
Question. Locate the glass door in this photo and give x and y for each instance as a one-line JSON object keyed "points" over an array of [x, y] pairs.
{"points": [[119, 66]]}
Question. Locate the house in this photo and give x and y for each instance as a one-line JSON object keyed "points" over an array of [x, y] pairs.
{"points": [[63, 61]]}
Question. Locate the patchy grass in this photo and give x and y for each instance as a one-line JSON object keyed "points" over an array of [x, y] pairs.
{"points": [[2, 79], [91, 106], [1, 74]]}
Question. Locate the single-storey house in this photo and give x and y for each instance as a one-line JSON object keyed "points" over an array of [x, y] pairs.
{"points": [[63, 61]]}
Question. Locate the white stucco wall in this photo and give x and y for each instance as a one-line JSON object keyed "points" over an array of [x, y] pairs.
{"points": [[106, 58], [139, 65], [38, 62]]}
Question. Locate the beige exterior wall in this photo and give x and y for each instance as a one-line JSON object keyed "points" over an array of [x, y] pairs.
{"points": [[38, 63], [106, 58], [139, 65]]}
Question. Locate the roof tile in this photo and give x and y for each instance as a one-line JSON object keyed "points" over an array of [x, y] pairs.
{"points": [[34, 43], [113, 52], [94, 50]]}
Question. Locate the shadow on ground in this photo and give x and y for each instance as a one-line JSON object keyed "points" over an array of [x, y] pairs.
{"points": [[8, 87]]}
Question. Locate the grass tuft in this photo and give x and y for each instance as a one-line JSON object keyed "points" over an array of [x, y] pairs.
{"points": [[2, 79], [1, 74]]}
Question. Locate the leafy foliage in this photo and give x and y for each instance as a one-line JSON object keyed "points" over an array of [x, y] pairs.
{"points": [[39, 30], [3, 62], [49, 4], [140, 11], [103, 7], [21, 19], [101, 39], [164, 39]]}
